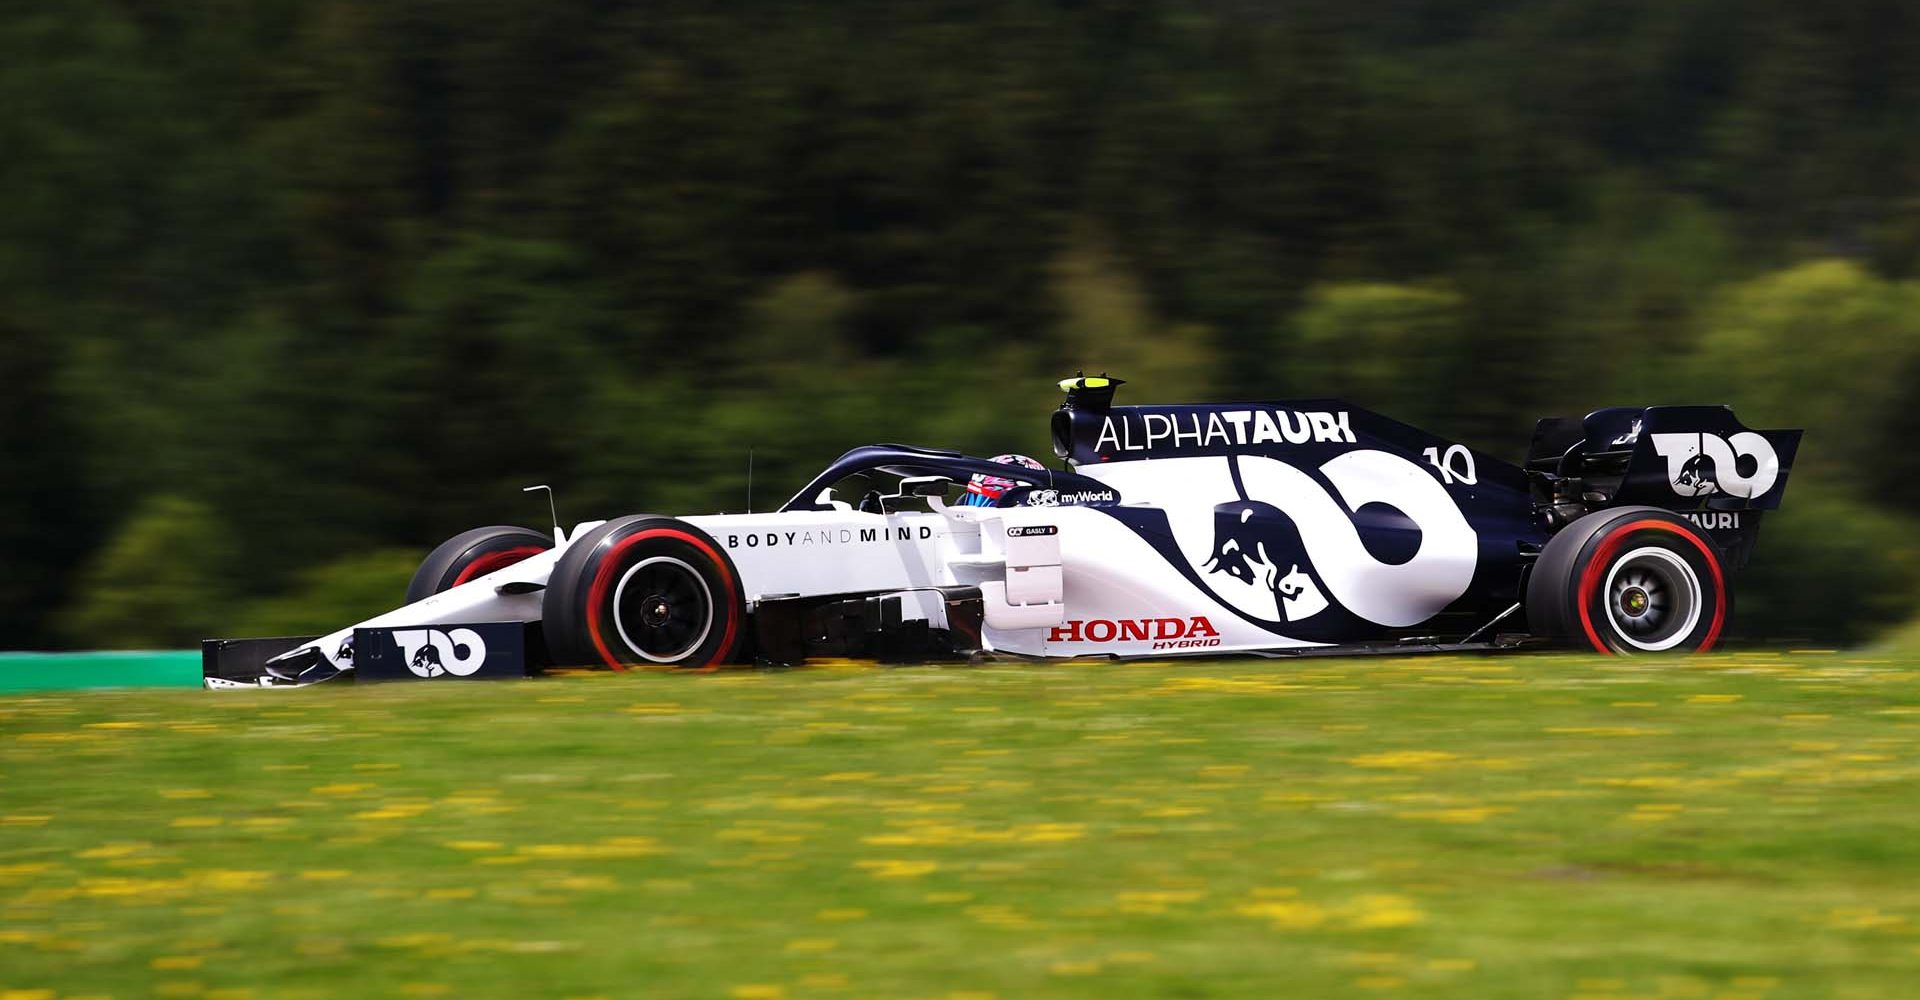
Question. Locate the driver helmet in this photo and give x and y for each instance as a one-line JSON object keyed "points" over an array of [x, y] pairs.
{"points": [[984, 490]]}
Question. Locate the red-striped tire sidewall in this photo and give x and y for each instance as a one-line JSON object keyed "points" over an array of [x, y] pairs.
{"points": [[472, 554], [579, 615], [493, 561], [1668, 532]]}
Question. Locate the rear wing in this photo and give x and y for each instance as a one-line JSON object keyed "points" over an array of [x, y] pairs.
{"points": [[1698, 461]]}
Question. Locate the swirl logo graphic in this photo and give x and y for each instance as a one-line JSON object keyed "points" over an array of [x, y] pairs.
{"points": [[1287, 549], [1699, 464]]}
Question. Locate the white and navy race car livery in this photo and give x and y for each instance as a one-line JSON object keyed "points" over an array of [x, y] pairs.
{"points": [[1268, 528]]}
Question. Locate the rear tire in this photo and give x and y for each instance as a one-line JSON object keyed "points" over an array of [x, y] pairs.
{"points": [[1630, 580], [643, 591], [473, 554]]}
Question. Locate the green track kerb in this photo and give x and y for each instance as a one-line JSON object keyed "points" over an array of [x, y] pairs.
{"points": [[76, 671]]}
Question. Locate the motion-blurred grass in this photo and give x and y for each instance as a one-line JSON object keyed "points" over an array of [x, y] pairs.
{"points": [[1738, 826]]}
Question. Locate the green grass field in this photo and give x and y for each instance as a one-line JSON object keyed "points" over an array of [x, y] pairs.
{"points": [[1744, 827]]}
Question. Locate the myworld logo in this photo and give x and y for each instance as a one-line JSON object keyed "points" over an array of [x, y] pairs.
{"points": [[1165, 633], [1057, 498]]}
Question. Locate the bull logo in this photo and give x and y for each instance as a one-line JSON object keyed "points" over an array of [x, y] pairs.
{"points": [[1258, 545], [1695, 477], [1284, 546], [426, 662], [429, 652], [1699, 464]]}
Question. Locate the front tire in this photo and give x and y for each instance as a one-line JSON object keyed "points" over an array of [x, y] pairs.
{"points": [[1630, 580], [473, 554], [643, 591]]}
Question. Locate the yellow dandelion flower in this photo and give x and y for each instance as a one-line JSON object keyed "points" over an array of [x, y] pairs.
{"points": [[1286, 915], [233, 879], [1862, 918], [340, 788], [1404, 759], [397, 811], [1380, 912], [1461, 814], [8, 872], [899, 868], [118, 849], [608, 848]]}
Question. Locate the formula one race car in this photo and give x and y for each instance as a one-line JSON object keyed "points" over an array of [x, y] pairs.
{"points": [[1252, 528]]}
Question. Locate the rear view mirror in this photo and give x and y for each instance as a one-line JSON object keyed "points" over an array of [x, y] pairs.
{"points": [[925, 486]]}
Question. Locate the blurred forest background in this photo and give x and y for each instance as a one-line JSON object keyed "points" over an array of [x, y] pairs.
{"points": [[290, 290]]}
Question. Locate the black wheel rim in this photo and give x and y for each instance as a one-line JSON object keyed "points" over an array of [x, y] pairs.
{"points": [[663, 609], [1653, 598]]}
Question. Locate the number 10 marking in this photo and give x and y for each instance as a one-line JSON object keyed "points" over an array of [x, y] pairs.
{"points": [[1455, 467]]}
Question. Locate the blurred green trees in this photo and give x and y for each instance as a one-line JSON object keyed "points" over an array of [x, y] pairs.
{"points": [[157, 582], [1831, 347], [289, 282], [1397, 348], [352, 588]]}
